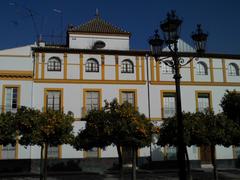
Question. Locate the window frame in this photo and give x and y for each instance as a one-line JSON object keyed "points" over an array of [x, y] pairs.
{"points": [[127, 66], [134, 91], [85, 91], [4, 93], [46, 90], [201, 68], [92, 67], [163, 95], [209, 94], [56, 66]]}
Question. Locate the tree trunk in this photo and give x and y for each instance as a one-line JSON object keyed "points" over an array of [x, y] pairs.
{"points": [[120, 160], [41, 164], [134, 161], [213, 157], [188, 165], [45, 161]]}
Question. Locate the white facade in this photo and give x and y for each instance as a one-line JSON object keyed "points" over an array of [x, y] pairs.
{"points": [[29, 71]]}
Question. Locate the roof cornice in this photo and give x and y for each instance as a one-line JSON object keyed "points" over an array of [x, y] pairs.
{"points": [[129, 52]]}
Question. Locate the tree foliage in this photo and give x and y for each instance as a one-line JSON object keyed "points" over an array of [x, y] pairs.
{"points": [[121, 125], [230, 104], [200, 128], [37, 128], [8, 133]]}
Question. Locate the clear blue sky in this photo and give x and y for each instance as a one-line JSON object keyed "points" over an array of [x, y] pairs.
{"points": [[220, 18]]}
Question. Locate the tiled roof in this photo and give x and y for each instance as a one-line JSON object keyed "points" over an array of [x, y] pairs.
{"points": [[98, 25]]}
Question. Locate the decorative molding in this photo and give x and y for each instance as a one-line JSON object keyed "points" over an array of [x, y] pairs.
{"points": [[157, 71], [211, 69], [65, 66], [224, 70], [137, 69], [103, 66], [77, 81], [143, 68], [43, 66], [152, 68]]}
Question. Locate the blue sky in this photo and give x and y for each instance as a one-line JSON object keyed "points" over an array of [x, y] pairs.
{"points": [[220, 18]]}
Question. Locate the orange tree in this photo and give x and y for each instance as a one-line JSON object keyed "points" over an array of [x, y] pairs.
{"points": [[230, 104], [50, 128], [8, 132], [121, 125], [201, 128]]}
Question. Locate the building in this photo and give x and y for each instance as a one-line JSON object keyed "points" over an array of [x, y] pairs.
{"points": [[96, 64]]}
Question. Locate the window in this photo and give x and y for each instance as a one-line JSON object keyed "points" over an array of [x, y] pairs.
{"points": [[53, 152], [203, 102], [128, 96], [201, 68], [127, 66], [233, 69], [92, 65], [53, 100], [166, 69], [11, 99], [8, 152], [169, 105], [54, 64], [92, 100]]}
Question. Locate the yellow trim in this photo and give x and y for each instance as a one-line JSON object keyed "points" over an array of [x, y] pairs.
{"points": [[211, 69], [224, 70], [43, 66], [103, 66], [129, 90], [157, 71], [192, 71], [152, 68], [16, 149], [137, 69], [46, 93], [3, 94], [162, 92], [143, 68], [13, 72], [204, 92], [116, 67], [81, 66], [85, 90], [11, 55], [59, 151], [197, 83], [37, 65], [65, 66]]}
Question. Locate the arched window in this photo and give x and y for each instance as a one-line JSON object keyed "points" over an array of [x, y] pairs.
{"points": [[92, 65], [201, 68], [54, 64], [127, 66], [233, 69]]}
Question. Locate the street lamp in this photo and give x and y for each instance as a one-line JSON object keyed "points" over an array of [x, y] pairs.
{"points": [[171, 29]]}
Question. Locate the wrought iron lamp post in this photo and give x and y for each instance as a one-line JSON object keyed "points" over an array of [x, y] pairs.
{"points": [[171, 29]]}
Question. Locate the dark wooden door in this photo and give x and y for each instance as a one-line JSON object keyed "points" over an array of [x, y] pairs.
{"points": [[205, 154]]}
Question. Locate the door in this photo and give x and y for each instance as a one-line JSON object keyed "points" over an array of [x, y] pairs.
{"points": [[205, 155]]}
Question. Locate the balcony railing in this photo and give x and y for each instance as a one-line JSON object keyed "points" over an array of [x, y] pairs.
{"points": [[168, 112]]}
